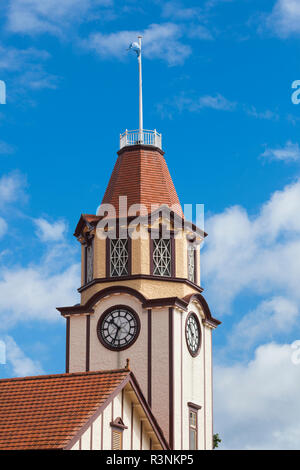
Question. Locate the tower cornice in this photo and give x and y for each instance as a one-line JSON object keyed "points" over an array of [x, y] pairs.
{"points": [[134, 148]]}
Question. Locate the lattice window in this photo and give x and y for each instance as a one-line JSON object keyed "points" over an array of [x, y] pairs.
{"points": [[116, 440], [162, 257], [118, 257], [89, 262], [191, 263]]}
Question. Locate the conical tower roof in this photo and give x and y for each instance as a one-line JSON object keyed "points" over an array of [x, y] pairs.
{"points": [[141, 174]]}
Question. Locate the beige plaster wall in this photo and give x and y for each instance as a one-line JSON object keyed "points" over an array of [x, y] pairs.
{"points": [[77, 343], [181, 257], [99, 257], [150, 288]]}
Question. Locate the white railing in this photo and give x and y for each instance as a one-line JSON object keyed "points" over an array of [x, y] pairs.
{"points": [[143, 137]]}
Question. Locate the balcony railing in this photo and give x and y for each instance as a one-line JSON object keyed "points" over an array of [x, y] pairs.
{"points": [[143, 137]]}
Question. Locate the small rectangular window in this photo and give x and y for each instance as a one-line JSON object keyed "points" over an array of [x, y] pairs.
{"points": [[193, 428], [193, 439], [162, 257], [119, 257], [89, 261], [193, 419], [191, 262]]}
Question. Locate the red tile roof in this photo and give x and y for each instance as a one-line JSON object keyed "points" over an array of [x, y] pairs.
{"points": [[141, 174], [45, 412]]}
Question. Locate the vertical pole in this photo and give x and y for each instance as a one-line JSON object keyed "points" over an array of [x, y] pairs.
{"points": [[140, 93]]}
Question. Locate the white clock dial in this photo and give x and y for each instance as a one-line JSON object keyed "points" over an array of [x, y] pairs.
{"points": [[118, 328]]}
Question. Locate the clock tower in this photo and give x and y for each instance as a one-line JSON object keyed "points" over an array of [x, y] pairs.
{"points": [[141, 295]]}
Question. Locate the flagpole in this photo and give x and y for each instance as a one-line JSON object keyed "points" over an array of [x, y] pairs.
{"points": [[140, 92]]}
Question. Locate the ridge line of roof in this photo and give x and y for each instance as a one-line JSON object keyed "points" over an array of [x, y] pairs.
{"points": [[72, 374]]}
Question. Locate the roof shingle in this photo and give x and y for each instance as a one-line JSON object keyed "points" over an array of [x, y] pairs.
{"points": [[141, 174], [45, 412]]}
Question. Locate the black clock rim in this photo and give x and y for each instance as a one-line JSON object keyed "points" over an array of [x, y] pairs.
{"points": [[107, 312], [193, 353]]}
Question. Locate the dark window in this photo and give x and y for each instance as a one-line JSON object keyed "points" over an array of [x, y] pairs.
{"points": [[89, 261], [119, 257]]}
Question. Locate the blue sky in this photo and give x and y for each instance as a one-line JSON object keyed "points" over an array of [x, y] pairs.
{"points": [[217, 78]]}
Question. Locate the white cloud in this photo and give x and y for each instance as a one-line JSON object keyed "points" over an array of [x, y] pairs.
{"points": [[271, 317], [33, 293], [13, 59], [191, 103], [213, 3], [257, 404], [259, 254], [200, 31], [28, 68], [266, 115], [214, 102], [5, 148], [12, 188], [50, 232], [175, 10], [37, 79], [160, 41], [194, 16], [21, 364], [3, 227], [285, 18], [290, 152], [51, 16]]}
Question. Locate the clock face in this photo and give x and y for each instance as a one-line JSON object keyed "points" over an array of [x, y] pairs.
{"points": [[193, 334], [118, 328]]}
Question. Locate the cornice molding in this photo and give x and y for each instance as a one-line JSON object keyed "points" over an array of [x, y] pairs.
{"points": [[134, 148], [150, 277], [146, 303]]}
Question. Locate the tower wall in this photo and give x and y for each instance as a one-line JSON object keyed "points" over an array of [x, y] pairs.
{"points": [[174, 379], [168, 376]]}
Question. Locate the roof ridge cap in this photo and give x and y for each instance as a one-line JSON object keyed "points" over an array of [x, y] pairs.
{"points": [[72, 374]]}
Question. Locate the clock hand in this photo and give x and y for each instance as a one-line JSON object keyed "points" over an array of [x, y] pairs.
{"points": [[112, 323], [192, 333], [118, 328]]}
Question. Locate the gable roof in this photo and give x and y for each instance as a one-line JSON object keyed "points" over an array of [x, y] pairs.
{"points": [[48, 411]]}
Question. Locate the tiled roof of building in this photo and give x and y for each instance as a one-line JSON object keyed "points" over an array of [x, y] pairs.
{"points": [[141, 174], [45, 412]]}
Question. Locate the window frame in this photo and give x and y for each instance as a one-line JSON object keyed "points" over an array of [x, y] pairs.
{"points": [[108, 257], [190, 246], [172, 255], [89, 243], [193, 408]]}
